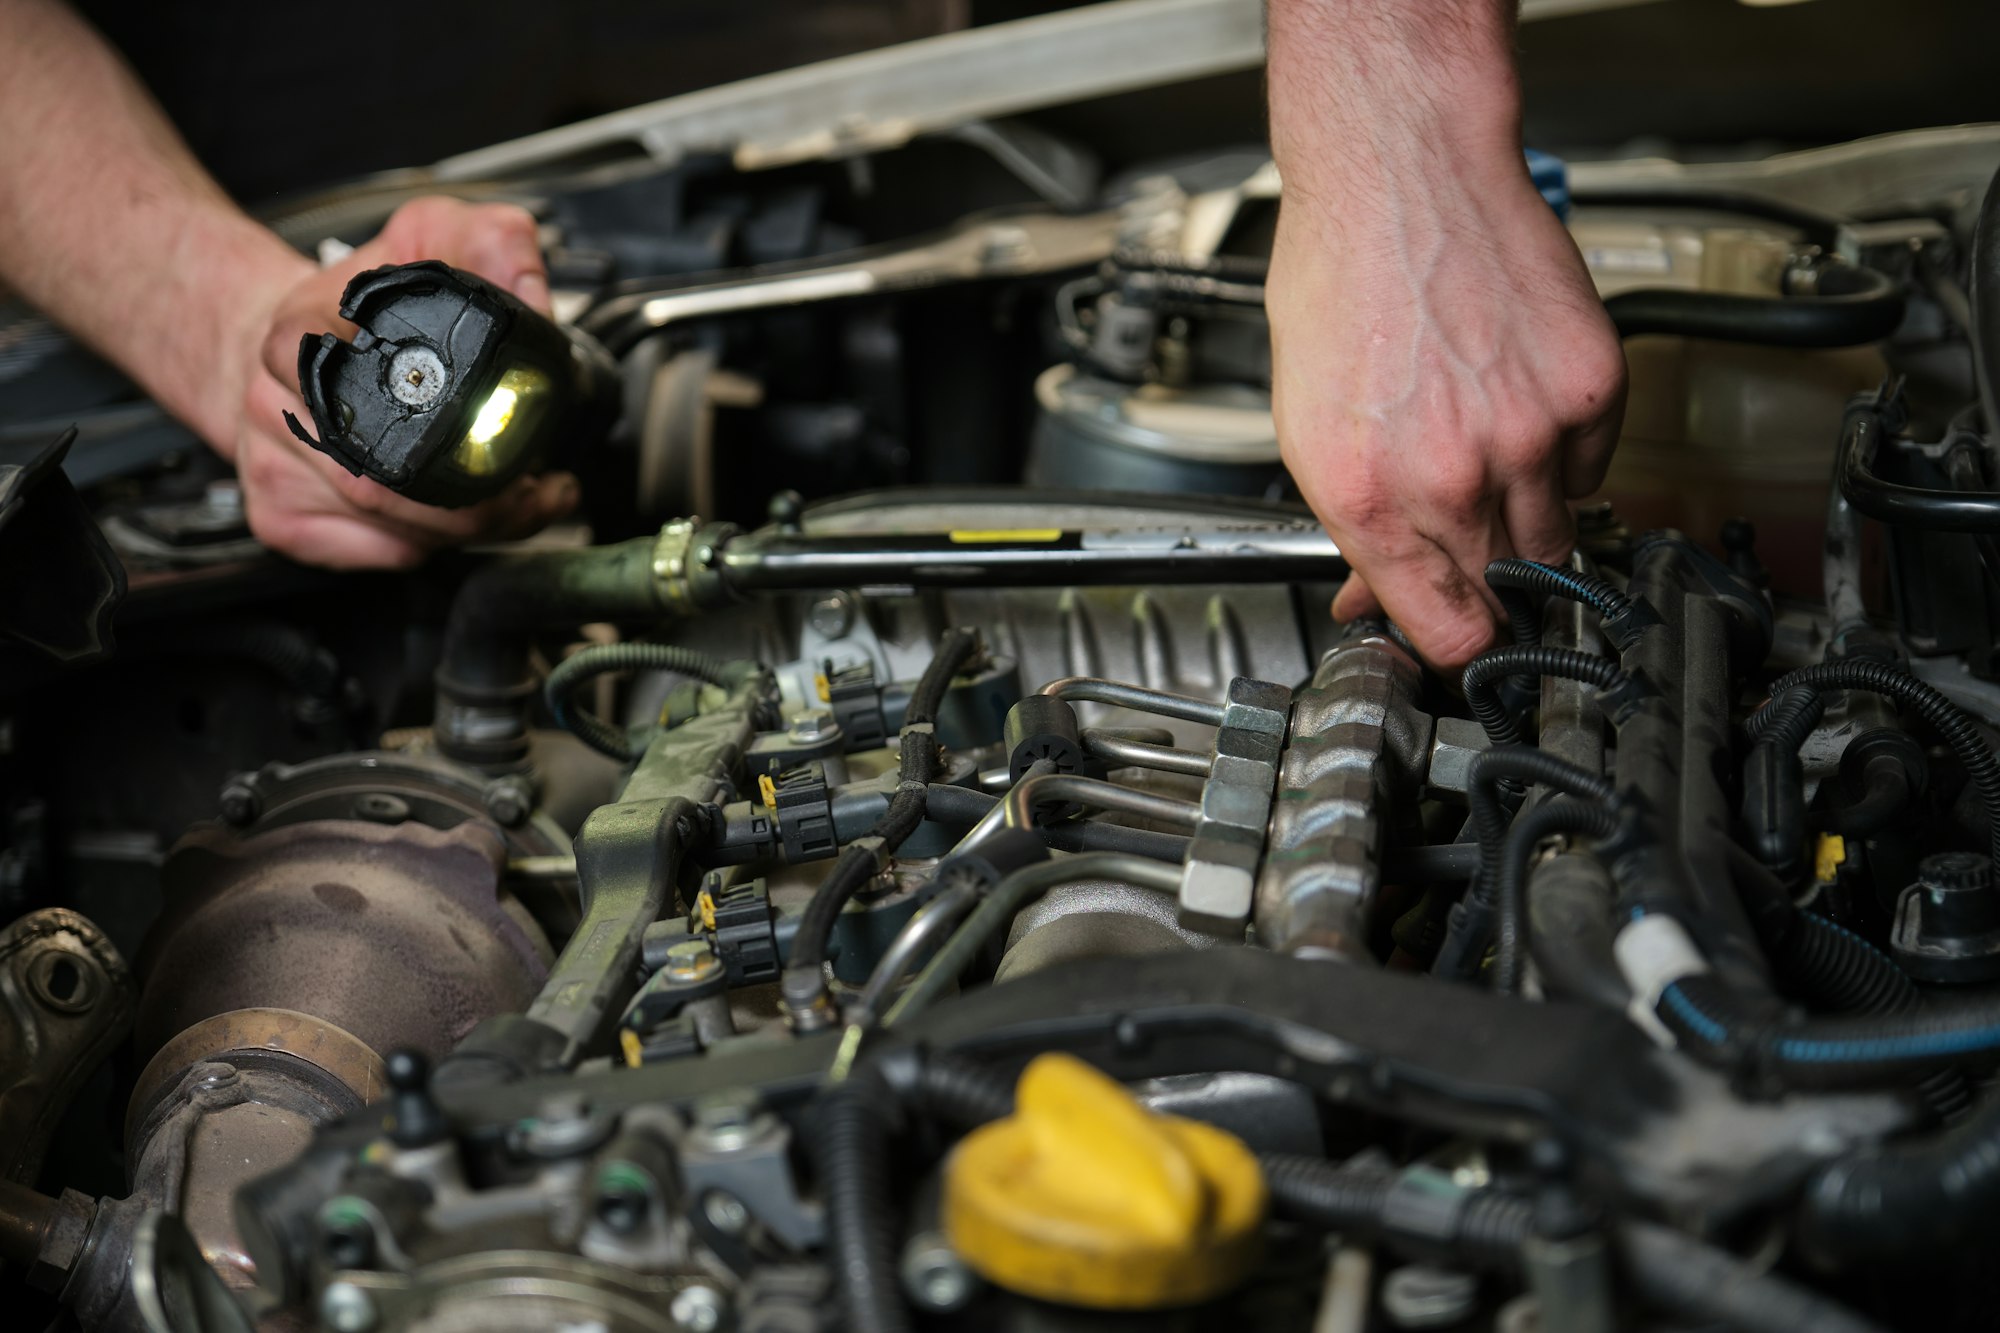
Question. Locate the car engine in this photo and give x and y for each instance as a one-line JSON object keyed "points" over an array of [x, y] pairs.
{"points": [[921, 854]]}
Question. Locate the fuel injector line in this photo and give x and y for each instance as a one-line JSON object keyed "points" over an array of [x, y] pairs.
{"points": [[1118, 694], [1005, 901]]}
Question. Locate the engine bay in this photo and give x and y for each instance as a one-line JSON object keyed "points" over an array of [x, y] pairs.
{"points": [[919, 853]]}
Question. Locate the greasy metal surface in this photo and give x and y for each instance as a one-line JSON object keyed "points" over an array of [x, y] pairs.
{"points": [[220, 1126], [398, 934], [1357, 741], [66, 996], [240, 1033], [1189, 641], [433, 790], [1094, 919]]}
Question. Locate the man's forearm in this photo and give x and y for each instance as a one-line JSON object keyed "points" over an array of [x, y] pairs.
{"points": [[109, 225], [1360, 85]]}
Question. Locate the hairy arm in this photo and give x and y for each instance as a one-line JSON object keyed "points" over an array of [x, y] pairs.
{"points": [[1444, 376], [111, 227]]}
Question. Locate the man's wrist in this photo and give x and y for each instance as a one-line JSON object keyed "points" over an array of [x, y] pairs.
{"points": [[231, 275], [1364, 92]]}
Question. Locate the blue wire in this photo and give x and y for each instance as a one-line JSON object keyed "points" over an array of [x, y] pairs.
{"points": [[1915, 1047], [1704, 1027], [1570, 581]]}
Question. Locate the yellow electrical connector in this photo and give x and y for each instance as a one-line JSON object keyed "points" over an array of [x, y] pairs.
{"points": [[1085, 1197], [1828, 857]]}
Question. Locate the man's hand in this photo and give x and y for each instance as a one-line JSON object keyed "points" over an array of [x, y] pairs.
{"points": [[110, 227], [301, 502], [1444, 375]]}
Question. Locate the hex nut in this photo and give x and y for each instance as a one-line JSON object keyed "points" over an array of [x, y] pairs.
{"points": [[1257, 706], [63, 1241], [1455, 743], [1218, 885]]}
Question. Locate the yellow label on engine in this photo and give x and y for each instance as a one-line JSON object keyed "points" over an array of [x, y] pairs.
{"points": [[974, 536]]}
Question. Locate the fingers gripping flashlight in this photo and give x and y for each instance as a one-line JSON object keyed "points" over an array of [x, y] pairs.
{"points": [[451, 388]]}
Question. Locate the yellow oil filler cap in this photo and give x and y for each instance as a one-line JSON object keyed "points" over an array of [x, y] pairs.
{"points": [[1085, 1197]]}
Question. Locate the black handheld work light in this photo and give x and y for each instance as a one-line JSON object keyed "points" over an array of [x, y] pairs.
{"points": [[452, 387]]}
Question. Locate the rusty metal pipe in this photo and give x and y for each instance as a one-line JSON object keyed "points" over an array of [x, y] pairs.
{"points": [[25, 1215]]}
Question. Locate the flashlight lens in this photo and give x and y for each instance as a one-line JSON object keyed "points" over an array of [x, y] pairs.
{"points": [[504, 423]]}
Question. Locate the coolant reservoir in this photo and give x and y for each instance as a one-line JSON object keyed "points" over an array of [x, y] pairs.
{"points": [[1720, 430]]}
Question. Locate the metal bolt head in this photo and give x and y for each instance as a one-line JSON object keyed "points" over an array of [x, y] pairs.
{"points": [[510, 802], [691, 960], [1423, 1296], [63, 1240], [346, 1308], [240, 802], [832, 616], [934, 1277], [727, 1123], [417, 377], [809, 727], [725, 1212], [698, 1309], [223, 499]]}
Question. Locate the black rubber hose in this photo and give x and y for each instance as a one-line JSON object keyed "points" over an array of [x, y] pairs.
{"points": [[484, 680], [1961, 468], [1484, 674], [1886, 794], [1950, 722], [1489, 1229], [1774, 799], [962, 1094], [574, 671], [954, 649], [1939, 510], [852, 1147], [1788, 718], [1830, 969], [1591, 819], [1675, 1272], [1505, 770], [1852, 306], [1822, 229], [1493, 785], [1532, 576], [1722, 1029], [1907, 1202], [854, 1121], [850, 874]]}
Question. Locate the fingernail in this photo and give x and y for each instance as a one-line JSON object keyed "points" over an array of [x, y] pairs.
{"points": [[533, 288]]}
